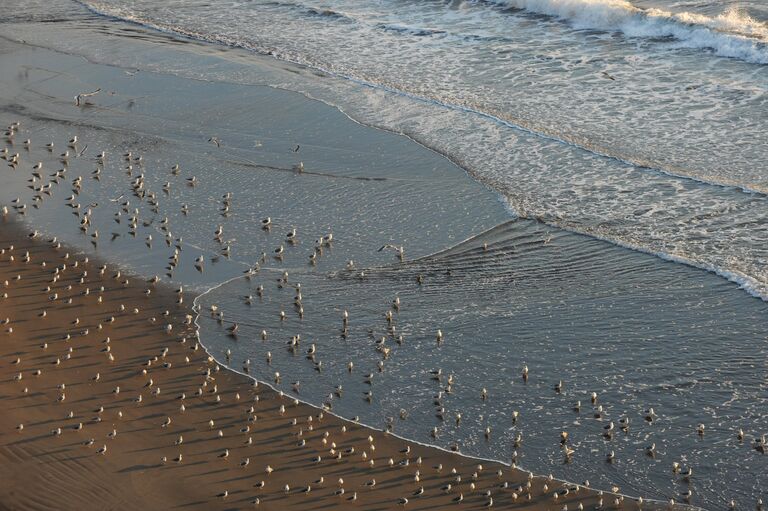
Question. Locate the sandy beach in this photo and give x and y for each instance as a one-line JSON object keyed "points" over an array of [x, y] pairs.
{"points": [[463, 266], [103, 369]]}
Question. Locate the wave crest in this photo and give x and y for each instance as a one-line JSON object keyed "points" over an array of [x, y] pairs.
{"points": [[729, 34]]}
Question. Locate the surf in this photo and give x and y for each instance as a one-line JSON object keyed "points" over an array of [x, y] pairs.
{"points": [[730, 34]]}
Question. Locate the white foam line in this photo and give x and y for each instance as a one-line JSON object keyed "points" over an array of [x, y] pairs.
{"points": [[729, 34], [197, 308], [750, 285]]}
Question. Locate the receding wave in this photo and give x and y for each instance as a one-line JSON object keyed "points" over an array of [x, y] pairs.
{"points": [[730, 34], [495, 116]]}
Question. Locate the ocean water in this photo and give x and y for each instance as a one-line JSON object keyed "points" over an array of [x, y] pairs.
{"points": [[577, 111], [614, 155]]}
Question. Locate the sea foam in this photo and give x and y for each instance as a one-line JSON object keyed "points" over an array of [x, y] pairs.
{"points": [[729, 34]]}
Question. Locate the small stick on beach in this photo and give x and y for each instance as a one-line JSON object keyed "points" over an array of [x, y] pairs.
{"points": [[85, 95]]}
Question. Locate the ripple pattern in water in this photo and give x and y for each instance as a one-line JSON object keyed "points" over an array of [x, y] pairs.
{"points": [[595, 317]]}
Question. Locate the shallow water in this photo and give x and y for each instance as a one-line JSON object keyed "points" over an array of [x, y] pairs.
{"points": [[553, 306], [640, 331]]}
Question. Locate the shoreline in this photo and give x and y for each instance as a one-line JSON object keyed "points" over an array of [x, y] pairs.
{"points": [[640, 503], [147, 337]]}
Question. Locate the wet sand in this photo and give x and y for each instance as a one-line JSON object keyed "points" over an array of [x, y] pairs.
{"points": [[45, 469]]}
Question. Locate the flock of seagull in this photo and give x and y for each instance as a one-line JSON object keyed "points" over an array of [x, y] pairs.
{"points": [[78, 269], [128, 212]]}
